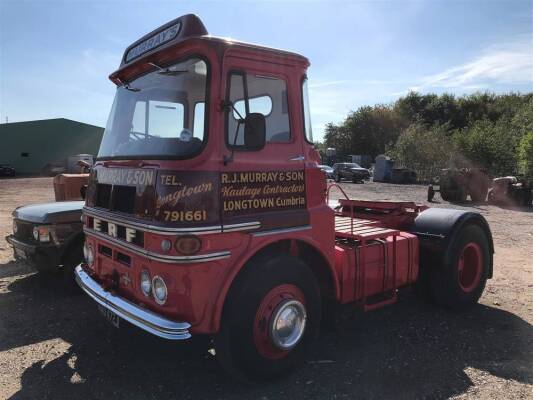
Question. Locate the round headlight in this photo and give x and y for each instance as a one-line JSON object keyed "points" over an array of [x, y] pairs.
{"points": [[159, 289], [166, 245], [88, 254], [36, 233], [146, 283]]}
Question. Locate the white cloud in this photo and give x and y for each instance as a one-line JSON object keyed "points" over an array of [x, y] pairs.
{"points": [[511, 63]]}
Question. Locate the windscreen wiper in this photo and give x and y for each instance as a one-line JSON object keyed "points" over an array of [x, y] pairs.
{"points": [[167, 71], [127, 86]]}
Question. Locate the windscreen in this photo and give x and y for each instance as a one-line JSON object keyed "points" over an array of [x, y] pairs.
{"points": [[159, 115]]}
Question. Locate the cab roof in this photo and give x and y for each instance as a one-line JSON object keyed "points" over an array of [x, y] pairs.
{"points": [[183, 29]]}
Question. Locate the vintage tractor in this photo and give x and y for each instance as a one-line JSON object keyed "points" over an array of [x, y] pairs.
{"points": [[510, 191], [457, 184]]}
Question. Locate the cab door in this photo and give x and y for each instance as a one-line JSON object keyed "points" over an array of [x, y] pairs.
{"points": [[261, 189]]}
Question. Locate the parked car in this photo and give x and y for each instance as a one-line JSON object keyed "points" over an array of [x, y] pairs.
{"points": [[50, 237], [351, 171], [330, 173], [7, 170]]}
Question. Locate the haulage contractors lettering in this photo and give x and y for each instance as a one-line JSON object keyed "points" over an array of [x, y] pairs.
{"points": [[243, 192]]}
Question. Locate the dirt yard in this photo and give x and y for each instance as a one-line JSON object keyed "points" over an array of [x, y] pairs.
{"points": [[56, 346]]}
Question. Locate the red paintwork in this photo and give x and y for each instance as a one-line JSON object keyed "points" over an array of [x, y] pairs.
{"points": [[197, 291]]}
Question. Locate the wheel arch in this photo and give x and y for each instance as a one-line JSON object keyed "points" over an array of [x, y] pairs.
{"points": [[436, 229], [305, 250]]}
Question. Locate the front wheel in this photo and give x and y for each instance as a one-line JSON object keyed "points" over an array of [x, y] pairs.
{"points": [[271, 318], [337, 177], [460, 280]]}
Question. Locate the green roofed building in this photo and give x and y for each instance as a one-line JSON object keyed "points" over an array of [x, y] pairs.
{"points": [[32, 146]]}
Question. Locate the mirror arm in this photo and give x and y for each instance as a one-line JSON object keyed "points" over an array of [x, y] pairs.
{"points": [[228, 106]]}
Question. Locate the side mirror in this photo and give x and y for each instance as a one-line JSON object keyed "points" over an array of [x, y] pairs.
{"points": [[84, 165], [254, 131]]}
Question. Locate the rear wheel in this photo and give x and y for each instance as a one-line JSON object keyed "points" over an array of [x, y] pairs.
{"points": [[272, 317], [461, 278]]}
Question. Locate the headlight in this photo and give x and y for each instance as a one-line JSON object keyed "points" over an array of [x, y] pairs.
{"points": [[41, 233], [15, 227], [159, 289], [88, 254], [146, 283]]}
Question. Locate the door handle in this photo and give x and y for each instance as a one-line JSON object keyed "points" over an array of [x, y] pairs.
{"points": [[297, 158]]}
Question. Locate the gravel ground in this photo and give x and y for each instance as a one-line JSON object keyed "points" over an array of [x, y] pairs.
{"points": [[56, 346]]}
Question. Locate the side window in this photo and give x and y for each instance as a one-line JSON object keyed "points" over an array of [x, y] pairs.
{"points": [[252, 93], [198, 121], [307, 112], [261, 104]]}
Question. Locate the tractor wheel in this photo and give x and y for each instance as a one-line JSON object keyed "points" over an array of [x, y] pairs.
{"points": [[478, 193], [460, 279], [490, 197], [431, 193], [270, 319]]}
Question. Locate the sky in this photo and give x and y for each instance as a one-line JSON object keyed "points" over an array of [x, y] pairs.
{"points": [[56, 56]]}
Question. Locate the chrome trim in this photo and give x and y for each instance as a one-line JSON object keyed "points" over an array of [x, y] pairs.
{"points": [[155, 256], [241, 227], [282, 230], [161, 230], [135, 315]]}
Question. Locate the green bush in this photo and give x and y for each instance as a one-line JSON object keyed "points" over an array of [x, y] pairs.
{"points": [[525, 155]]}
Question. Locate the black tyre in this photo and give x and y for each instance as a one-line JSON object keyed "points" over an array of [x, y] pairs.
{"points": [[271, 317], [478, 192], [431, 193], [337, 177], [460, 279]]}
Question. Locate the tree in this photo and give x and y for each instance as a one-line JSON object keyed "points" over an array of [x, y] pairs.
{"points": [[525, 155], [421, 147]]}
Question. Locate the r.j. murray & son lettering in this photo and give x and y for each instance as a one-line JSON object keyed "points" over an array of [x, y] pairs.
{"points": [[126, 176], [262, 177]]}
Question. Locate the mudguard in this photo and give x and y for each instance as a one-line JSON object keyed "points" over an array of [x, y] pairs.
{"points": [[436, 228]]}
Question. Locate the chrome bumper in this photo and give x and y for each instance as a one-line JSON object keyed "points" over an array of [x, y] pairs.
{"points": [[144, 319]]}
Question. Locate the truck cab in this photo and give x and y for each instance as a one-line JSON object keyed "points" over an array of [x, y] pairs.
{"points": [[207, 212]]}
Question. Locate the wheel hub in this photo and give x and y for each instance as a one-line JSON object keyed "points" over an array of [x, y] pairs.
{"points": [[470, 266], [288, 324]]}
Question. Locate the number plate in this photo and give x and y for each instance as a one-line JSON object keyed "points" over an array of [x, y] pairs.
{"points": [[110, 316], [20, 253]]}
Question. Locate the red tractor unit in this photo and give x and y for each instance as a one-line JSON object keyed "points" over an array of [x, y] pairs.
{"points": [[207, 213]]}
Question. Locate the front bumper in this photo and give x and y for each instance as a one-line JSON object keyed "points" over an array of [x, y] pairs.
{"points": [[28, 248], [44, 256], [135, 315]]}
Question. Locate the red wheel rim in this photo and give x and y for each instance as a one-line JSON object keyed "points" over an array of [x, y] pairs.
{"points": [[264, 314], [469, 266]]}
